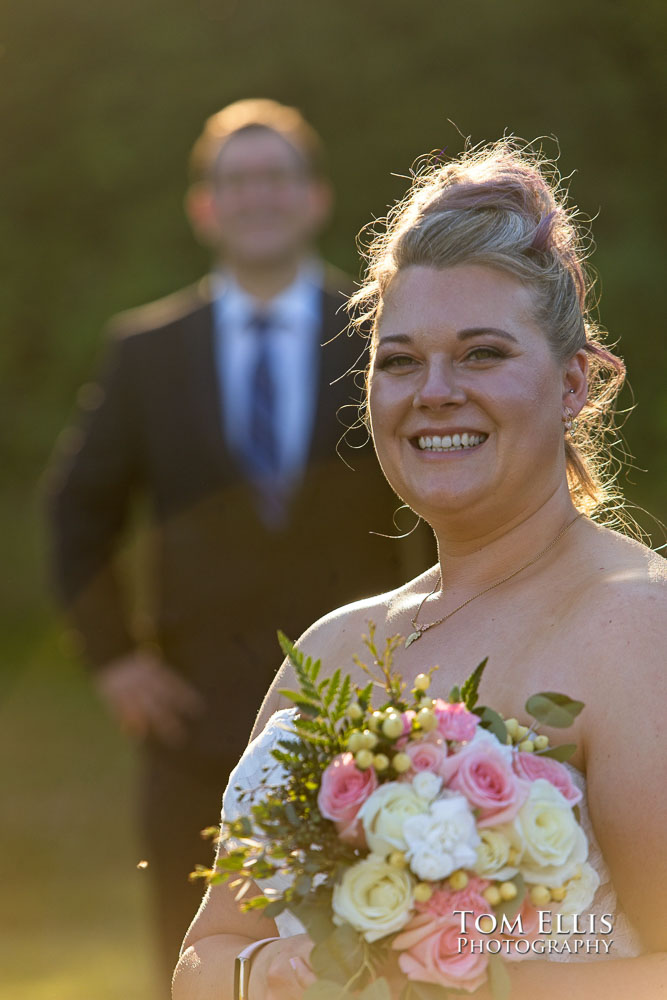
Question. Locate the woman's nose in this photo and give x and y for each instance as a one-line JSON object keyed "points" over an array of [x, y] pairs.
{"points": [[440, 387]]}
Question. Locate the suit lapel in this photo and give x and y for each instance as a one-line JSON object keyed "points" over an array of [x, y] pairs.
{"points": [[204, 385]]}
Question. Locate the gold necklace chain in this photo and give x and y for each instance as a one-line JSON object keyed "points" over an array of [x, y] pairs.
{"points": [[420, 629]]}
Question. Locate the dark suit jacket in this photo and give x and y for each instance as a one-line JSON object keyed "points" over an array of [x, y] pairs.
{"points": [[223, 583]]}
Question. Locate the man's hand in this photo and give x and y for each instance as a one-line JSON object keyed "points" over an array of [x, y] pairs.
{"points": [[146, 697]]}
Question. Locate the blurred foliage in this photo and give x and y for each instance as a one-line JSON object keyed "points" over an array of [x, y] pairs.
{"points": [[66, 774], [101, 102]]}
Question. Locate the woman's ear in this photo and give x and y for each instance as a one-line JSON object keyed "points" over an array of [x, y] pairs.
{"points": [[575, 382]]}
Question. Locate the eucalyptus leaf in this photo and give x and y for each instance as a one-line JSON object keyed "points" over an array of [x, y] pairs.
{"points": [[554, 709], [315, 916], [339, 956], [493, 722], [275, 908], [325, 989], [426, 991], [377, 990], [562, 752], [499, 979]]}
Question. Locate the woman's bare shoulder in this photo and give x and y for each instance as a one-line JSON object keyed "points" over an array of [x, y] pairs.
{"points": [[340, 633], [338, 637], [621, 598]]}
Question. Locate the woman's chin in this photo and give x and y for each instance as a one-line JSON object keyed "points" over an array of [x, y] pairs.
{"points": [[439, 503]]}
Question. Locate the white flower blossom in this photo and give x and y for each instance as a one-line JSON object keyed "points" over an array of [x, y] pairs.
{"points": [[427, 785], [443, 839]]}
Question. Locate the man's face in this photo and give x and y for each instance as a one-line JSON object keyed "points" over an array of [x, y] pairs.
{"points": [[263, 205]]}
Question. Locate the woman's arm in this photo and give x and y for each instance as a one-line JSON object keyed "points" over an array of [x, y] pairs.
{"points": [[626, 756], [205, 970], [625, 739], [219, 932], [643, 978]]}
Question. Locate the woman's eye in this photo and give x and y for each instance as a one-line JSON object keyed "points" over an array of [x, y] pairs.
{"points": [[484, 354], [395, 361]]}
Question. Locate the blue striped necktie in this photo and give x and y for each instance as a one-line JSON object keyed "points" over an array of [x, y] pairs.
{"points": [[262, 452]]}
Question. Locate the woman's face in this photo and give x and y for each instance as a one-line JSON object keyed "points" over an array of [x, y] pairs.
{"points": [[466, 398]]}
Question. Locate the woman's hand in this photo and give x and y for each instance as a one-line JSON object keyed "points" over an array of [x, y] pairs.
{"points": [[281, 970]]}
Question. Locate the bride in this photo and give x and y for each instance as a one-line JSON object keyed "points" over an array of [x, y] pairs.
{"points": [[489, 392]]}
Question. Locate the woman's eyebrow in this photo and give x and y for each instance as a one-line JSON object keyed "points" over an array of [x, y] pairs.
{"points": [[395, 338], [467, 334], [479, 331]]}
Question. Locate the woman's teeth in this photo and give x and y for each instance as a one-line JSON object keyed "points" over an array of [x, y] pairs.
{"points": [[454, 443]]}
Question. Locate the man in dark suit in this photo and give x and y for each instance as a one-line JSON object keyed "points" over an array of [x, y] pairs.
{"points": [[221, 407]]}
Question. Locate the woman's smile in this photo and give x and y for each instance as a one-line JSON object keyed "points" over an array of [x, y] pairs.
{"points": [[452, 443]]}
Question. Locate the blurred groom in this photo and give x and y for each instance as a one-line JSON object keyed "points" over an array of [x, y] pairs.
{"points": [[219, 405]]}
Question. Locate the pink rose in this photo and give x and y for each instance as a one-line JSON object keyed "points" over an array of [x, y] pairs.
{"points": [[430, 953], [343, 790], [483, 773], [533, 766], [455, 721], [529, 931], [444, 901], [427, 754]]}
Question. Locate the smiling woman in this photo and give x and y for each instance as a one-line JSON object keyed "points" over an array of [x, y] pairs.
{"points": [[500, 210], [475, 365], [482, 354]]}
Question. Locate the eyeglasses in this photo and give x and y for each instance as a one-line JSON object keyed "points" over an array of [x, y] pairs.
{"points": [[276, 178]]}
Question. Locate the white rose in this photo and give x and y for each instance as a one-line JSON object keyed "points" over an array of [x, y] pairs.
{"points": [[443, 839], [374, 897], [426, 784], [579, 893], [554, 843], [384, 813], [494, 854]]}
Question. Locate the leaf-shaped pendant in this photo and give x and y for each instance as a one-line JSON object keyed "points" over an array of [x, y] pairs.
{"points": [[412, 638]]}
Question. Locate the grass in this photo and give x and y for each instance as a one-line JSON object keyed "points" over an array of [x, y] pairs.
{"points": [[74, 915]]}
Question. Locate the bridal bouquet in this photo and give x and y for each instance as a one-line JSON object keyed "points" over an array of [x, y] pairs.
{"points": [[414, 834]]}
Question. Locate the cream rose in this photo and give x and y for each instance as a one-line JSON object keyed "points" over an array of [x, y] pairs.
{"points": [[554, 843], [384, 813], [374, 897], [579, 893], [494, 853], [443, 839]]}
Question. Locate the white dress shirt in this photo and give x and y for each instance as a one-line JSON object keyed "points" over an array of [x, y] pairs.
{"points": [[296, 319]]}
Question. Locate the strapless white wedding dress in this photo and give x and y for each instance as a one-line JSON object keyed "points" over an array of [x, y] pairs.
{"points": [[250, 770]]}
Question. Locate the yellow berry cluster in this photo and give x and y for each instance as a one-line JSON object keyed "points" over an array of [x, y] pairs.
{"points": [[542, 896], [518, 736], [388, 725], [500, 892]]}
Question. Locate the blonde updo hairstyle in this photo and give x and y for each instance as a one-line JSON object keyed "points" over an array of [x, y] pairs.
{"points": [[502, 206]]}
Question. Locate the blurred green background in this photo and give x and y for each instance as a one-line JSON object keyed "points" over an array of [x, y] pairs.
{"points": [[99, 104]]}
